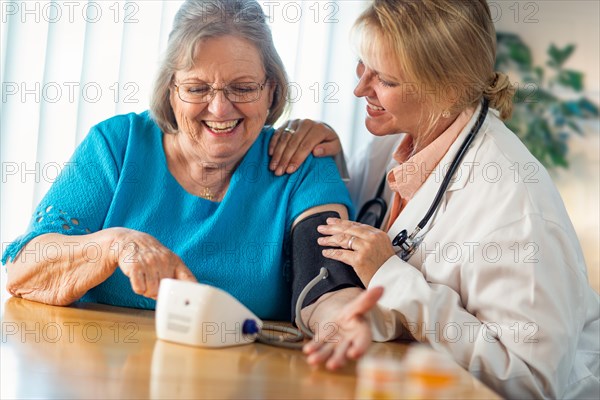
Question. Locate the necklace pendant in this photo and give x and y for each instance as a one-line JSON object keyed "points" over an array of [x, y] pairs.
{"points": [[206, 194]]}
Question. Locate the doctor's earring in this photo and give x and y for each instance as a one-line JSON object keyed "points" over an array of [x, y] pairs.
{"points": [[446, 114]]}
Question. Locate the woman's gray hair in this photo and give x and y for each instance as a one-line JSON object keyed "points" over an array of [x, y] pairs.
{"points": [[198, 20]]}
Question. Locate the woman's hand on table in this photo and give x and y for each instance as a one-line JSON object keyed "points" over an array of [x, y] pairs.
{"points": [[295, 140], [145, 261]]}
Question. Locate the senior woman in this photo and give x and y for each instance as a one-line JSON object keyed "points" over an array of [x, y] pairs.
{"points": [[183, 191], [496, 276]]}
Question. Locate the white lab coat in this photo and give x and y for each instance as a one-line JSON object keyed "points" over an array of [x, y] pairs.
{"points": [[499, 281]]}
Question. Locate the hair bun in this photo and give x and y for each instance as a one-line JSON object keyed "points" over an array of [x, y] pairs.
{"points": [[500, 94]]}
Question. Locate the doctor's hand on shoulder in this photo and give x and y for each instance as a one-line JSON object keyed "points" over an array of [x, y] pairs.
{"points": [[361, 246], [296, 139]]}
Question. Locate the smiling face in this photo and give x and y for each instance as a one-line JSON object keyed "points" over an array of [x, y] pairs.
{"points": [[394, 105], [220, 131]]}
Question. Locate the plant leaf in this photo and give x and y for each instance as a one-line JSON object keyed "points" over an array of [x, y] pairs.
{"points": [[511, 50], [520, 54], [590, 109], [573, 125], [572, 79], [570, 109], [559, 56], [542, 118], [539, 73]]}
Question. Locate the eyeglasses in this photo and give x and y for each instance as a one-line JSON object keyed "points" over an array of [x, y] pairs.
{"points": [[238, 92]]}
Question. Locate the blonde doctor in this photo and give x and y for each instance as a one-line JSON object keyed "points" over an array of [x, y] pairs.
{"points": [[495, 276]]}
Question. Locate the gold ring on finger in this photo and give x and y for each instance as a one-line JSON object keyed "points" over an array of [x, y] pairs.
{"points": [[350, 242]]}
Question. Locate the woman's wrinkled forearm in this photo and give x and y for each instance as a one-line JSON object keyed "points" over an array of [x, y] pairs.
{"points": [[59, 269]]}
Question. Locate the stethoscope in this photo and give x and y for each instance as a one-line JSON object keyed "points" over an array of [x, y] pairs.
{"points": [[372, 213], [409, 243]]}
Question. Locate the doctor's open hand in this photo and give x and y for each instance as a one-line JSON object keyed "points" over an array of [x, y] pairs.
{"points": [[348, 335], [361, 246], [145, 261]]}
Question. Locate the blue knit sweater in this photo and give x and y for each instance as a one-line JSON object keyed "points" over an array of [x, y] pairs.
{"points": [[118, 177]]}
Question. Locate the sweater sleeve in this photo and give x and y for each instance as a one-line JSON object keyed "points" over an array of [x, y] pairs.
{"points": [[316, 183], [78, 201]]}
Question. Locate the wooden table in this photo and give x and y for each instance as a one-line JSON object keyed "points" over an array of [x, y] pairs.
{"points": [[98, 351]]}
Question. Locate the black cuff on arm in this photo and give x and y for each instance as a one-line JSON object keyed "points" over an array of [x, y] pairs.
{"points": [[307, 261]]}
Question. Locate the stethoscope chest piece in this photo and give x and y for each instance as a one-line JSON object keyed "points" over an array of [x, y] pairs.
{"points": [[400, 238], [408, 244]]}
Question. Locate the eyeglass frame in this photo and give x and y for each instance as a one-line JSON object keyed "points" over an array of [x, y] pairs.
{"points": [[261, 87]]}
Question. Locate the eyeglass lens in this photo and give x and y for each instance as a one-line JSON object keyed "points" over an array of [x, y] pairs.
{"points": [[235, 92]]}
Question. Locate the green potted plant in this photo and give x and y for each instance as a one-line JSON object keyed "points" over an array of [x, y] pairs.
{"points": [[548, 106]]}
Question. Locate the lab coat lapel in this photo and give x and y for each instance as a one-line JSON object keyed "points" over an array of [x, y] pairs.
{"points": [[418, 206]]}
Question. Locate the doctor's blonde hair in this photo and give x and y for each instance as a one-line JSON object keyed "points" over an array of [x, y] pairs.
{"points": [[444, 48]]}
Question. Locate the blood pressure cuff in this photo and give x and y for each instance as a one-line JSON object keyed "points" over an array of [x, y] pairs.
{"points": [[307, 262]]}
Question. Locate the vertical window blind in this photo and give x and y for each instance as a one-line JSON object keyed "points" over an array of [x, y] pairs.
{"points": [[67, 65]]}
